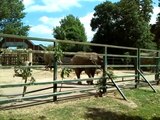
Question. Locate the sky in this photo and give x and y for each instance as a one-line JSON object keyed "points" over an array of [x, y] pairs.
{"points": [[43, 15]]}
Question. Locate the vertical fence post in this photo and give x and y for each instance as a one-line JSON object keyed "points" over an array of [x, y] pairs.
{"points": [[157, 67], [30, 56], [137, 66], [104, 69], [55, 73]]}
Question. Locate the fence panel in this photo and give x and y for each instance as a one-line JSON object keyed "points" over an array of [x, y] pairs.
{"points": [[50, 85]]}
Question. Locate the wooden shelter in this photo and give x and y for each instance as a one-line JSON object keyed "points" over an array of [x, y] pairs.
{"points": [[12, 58]]}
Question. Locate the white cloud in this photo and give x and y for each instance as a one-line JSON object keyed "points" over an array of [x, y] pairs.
{"points": [[50, 21], [53, 5], [46, 25], [28, 2], [156, 10], [41, 30], [86, 22], [91, 0]]}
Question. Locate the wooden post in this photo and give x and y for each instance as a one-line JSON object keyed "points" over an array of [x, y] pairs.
{"points": [[157, 67], [137, 67], [30, 56], [55, 74], [104, 70]]}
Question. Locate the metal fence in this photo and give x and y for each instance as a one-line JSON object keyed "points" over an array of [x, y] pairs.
{"points": [[135, 59]]}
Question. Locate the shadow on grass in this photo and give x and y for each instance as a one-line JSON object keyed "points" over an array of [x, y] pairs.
{"points": [[101, 114]]}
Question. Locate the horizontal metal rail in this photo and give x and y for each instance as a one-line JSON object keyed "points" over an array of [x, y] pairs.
{"points": [[64, 41], [74, 66], [151, 50], [148, 57], [45, 83], [119, 66], [22, 66], [4, 101], [56, 82], [128, 56], [80, 66], [148, 65]]}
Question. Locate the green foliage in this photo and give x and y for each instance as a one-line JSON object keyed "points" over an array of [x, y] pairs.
{"points": [[70, 29], [58, 53], [65, 72], [22, 70], [101, 83], [125, 23], [11, 15], [50, 48]]}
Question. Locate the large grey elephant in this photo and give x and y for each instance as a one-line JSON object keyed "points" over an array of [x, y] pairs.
{"points": [[83, 58]]}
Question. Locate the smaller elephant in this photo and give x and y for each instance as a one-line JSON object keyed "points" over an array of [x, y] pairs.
{"points": [[48, 60], [83, 58]]}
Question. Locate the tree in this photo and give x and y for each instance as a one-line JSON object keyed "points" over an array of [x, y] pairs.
{"points": [[146, 9], [70, 29], [11, 15], [104, 22], [156, 29], [125, 23], [136, 17]]}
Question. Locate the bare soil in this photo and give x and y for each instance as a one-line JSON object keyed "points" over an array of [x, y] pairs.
{"points": [[41, 75]]}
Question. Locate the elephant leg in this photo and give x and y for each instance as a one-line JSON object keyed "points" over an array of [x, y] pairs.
{"points": [[78, 72], [89, 82], [93, 71], [90, 72]]}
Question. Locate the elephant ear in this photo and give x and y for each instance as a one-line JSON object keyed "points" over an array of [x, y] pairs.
{"points": [[100, 60], [93, 56]]}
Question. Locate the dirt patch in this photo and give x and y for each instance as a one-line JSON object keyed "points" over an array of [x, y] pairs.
{"points": [[41, 75]]}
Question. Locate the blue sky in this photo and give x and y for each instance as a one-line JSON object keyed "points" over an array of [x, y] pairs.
{"points": [[43, 15]]}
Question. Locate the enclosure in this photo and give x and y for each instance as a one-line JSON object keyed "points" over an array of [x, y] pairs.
{"points": [[22, 85]]}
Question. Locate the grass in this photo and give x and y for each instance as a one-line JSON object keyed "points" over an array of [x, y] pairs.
{"points": [[143, 104]]}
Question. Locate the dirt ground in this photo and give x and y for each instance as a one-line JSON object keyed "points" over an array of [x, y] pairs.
{"points": [[41, 75]]}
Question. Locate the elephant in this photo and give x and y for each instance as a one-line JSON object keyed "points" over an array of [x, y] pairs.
{"points": [[85, 58], [48, 60]]}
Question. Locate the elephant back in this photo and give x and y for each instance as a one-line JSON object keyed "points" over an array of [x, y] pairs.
{"points": [[83, 58]]}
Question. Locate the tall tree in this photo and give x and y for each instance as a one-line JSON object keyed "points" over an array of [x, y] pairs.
{"points": [[70, 29], [136, 17], [11, 15], [105, 23], [156, 29], [125, 23], [146, 9]]}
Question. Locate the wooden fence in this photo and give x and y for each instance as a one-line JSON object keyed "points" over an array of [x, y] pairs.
{"points": [[130, 62], [13, 58]]}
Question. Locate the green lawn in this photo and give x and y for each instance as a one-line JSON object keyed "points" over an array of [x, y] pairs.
{"points": [[142, 104]]}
